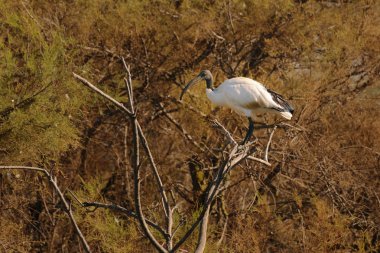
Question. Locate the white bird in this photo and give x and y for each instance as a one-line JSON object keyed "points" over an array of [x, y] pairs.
{"points": [[245, 96]]}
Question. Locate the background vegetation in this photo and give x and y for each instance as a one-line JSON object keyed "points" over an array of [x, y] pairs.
{"points": [[322, 55]]}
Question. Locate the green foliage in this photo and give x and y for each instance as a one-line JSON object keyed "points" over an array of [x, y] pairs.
{"points": [[40, 97], [110, 232]]}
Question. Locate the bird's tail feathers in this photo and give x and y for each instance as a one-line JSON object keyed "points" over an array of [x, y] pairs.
{"points": [[286, 115]]}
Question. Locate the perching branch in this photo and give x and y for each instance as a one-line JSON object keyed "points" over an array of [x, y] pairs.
{"points": [[213, 190], [233, 141], [66, 205], [236, 155]]}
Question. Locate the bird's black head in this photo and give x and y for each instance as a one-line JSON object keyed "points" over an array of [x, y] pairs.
{"points": [[204, 75], [207, 76]]}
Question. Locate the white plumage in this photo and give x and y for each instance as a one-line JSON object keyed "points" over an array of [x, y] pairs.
{"points": [[245, 96]]}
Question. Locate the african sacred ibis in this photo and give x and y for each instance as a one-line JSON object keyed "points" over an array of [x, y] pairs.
{"points": [[245, 96]]}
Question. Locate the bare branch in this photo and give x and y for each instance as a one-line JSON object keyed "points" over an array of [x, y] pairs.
{"points": [[231, 162], [202, 236], [225, 131], [183, 131], [259, 160], [219, 242], [67, 207], [23, 168], [233, 159], [126, 180], [158, 178], [265, 161], [124, 210], [136, 163], [269, 142], [128, 83], [181, 222], [97, 90], [136, 168]]}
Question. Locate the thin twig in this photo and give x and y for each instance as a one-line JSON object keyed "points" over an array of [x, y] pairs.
{"points": [[181, 222], [136, 168], [183, 131], [74, 196], [213, 190], [225, 131], [97, 90], [157, 176], [269, 142], [219, 242], [138, 133], [177, 101], [259, 160], [124, 210], [67, 207]]}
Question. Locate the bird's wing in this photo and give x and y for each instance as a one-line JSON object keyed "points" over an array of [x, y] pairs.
{"points": [[246, 93]]}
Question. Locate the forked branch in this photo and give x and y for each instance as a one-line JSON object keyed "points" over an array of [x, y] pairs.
{"points": [[138, 135], [236, 155], [66, 205]]}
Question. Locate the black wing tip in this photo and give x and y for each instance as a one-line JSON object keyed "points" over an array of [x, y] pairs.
{"points": [[281, 101]]}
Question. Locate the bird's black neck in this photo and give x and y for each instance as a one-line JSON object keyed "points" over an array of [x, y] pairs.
{"points": [[209, 82]]}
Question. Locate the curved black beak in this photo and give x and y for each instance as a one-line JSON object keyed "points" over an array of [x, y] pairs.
{"points": [[191, 83]]}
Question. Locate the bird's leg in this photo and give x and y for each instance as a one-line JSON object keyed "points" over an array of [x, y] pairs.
{"points": [[249, 132]]}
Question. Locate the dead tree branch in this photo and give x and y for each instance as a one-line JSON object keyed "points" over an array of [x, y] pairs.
{"points": [[183, 131], [233, 141], [138, 135], [269, 142], [236, 155], [165, 201], [103, 94], [233, 159], [66, 205], [125, 211], [225, 131], [137, 195]]}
